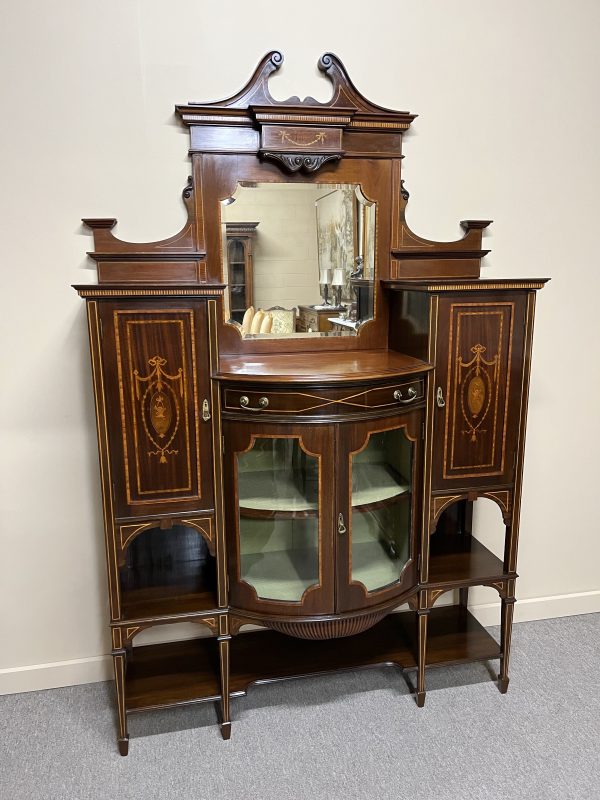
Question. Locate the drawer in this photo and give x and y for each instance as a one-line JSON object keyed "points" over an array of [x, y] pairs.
{"points": [[326, 403]]}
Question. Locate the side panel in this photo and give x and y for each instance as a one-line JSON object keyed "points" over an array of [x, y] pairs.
{"points": [[478, 380], [156, 357]]}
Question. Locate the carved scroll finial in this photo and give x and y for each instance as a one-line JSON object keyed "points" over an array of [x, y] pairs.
{"points": [[188, 188], [404, 191]]}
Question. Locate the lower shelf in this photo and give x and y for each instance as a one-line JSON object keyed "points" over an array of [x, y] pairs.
{"points": [[175, 673], [179, 673], [454, 636]]}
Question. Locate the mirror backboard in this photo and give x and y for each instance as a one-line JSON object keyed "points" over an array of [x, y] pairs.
{"points": [[299, 259]]}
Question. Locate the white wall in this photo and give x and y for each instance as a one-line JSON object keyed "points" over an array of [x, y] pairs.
{"points": [[509, 115]]}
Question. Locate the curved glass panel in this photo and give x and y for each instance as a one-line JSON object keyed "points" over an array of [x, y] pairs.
{"points": [[278, 496], [381, 509]]}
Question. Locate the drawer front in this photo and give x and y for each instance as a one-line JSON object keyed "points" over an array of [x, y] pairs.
{"points": [[327, 403]]}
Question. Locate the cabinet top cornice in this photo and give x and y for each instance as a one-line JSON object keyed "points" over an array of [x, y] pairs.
{"points": [[253, 104]]}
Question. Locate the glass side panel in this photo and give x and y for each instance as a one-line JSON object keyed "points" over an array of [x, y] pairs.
{"points": [[278, 491], [381, 509]]}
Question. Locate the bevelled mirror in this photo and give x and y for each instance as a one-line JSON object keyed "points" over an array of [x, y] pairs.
{"points": [[298, 259]]}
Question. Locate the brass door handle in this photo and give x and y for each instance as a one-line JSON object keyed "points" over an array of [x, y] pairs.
{"points": [[341, 526], [439, 398], [411, 395], [205, 411], [263, 402]]}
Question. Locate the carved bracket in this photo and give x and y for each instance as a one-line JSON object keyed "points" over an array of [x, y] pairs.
{"points": [[502, 498], [127, 533], [296, 162]]}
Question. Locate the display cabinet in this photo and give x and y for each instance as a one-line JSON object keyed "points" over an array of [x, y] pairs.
{"points": [[301, 544], [240, 277], [304, 482]]}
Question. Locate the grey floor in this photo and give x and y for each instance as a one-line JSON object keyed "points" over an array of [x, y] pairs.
{"points": [[355, 735]]}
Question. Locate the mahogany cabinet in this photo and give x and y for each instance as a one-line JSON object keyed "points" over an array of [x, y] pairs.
{"points": [[304, 483]]}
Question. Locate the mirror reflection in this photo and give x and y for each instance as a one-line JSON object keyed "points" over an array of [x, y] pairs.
{"points": [[299, 259]]}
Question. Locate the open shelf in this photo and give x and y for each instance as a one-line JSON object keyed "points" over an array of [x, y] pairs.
{"points": [[176, 673], [456, 559], [164, 601], [167, 573], [454, 636]]}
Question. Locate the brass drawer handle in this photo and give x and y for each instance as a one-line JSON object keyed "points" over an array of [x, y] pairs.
{"points": [[205, 411], [412, 395], [263, 402], [439, 398], [341, 526]]}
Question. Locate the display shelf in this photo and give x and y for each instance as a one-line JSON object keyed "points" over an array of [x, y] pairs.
{"points": [[456, 559], [265, 490], [176, 673], [373, 565], [454, 636], [374, 483], [281, 574]]}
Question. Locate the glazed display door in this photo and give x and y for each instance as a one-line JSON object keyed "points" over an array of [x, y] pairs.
{"points": [[376, 509], [279, 507]]}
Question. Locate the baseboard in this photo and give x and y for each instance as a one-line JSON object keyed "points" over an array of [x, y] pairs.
{"points": [[530, 609], [53, 675], [36, 677]]}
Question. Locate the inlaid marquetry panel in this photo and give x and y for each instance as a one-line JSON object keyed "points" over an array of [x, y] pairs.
{"points": [[478, 379], [157, 360]]}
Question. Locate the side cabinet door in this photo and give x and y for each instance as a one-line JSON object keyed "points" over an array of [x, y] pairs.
{"points": [[478, 389], [377, 513], [156, 367]]}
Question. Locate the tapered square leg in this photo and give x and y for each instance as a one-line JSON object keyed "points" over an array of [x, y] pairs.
{"points": [[508, 606], [423, 616], [119, 662], [224, 713]]}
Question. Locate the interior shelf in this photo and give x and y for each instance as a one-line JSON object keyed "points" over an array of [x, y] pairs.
{"points": [[375, 483], [176, 673], [456, 559], [281, 574], [454, 636], [373, 565], [263, 490]]}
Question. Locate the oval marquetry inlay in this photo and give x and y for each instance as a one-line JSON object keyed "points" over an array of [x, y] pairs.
{"points": [[476, 395], [161, 413]]}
